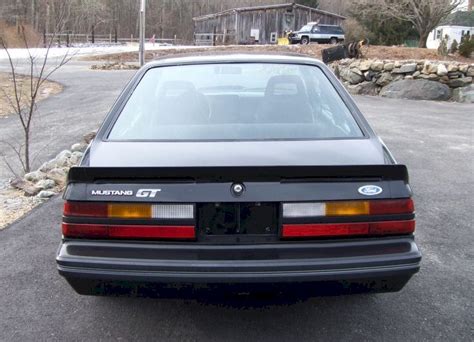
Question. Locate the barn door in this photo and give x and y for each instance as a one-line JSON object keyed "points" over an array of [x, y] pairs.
{"points": [[288, 22]]}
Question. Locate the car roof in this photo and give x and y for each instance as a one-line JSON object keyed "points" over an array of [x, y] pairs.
{"points": [[234, 58], [315, 23]]}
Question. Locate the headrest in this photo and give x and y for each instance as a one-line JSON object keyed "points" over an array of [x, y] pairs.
{"points": [[171, 88], [285, 85]]}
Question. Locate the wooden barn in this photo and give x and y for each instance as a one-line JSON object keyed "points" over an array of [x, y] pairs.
{"points": [[258, 24]]}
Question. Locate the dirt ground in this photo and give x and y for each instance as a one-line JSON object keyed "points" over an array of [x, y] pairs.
{"points": [[313, 50], [14, 38], [6, 87]]}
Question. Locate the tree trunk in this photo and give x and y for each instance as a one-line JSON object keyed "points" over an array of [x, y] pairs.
{"points": [[33, 13], [47, 22], [423, 39], [27, 151]]}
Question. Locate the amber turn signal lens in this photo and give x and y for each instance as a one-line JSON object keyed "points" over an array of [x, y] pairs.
{"points": [[129, 211], [347, 208]]}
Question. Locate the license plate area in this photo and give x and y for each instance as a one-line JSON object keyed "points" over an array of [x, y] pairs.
{"points": [[237, 222]]}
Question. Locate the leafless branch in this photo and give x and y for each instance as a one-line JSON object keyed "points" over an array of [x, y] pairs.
{"points": [[18, 153], [9, 166], [25, 110]]}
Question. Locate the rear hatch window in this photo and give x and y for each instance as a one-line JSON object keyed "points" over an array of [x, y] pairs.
{"points": [[247, 101]]}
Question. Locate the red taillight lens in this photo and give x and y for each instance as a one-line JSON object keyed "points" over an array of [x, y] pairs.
{"points": [[387, 207], [392, 227], [320, 230], [88, 209], [84, 230], [128, 231], [152, 232], [348, 229]]}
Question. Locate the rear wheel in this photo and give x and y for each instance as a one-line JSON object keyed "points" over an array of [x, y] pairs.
{"points": [[333, 41], [305, 40]]}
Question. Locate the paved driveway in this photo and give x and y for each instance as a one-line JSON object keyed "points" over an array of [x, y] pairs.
{"points": [[434, 139], [62, 120]]}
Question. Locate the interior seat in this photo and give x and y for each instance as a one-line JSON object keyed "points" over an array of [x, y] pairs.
{"points": [[224, 109], [178, 103], [285, 101]]}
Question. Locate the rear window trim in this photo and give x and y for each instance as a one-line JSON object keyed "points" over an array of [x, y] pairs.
{"points": [[122, 101]]}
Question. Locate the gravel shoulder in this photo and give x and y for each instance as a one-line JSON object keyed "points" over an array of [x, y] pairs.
{"points": [[14, 205]]}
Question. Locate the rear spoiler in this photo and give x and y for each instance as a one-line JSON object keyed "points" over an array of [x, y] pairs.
{"points": [[238, 174]]}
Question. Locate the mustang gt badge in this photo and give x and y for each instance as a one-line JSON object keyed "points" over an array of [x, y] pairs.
{"points": [[112, 193], [370, 190], [150, 193]]}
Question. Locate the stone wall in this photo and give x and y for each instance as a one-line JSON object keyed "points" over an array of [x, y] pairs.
{"points": [[375, 77], [51, 177]]}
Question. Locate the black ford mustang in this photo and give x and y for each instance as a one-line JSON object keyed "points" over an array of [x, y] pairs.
{"points": [[237, 169]]}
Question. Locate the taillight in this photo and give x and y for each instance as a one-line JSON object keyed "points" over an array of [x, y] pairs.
{"points": [[319, 230], [79, 230], [129, 210], [162, 221], [374, 218], [348, 208], [390, 207], [348, 229], [88, 209]]}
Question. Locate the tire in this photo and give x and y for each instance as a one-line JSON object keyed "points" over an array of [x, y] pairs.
{"points": [[333, 41], [304, 40]]}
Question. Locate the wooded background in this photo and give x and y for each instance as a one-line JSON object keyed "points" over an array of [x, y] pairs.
{"points": [[385, 22], [165, 18]]}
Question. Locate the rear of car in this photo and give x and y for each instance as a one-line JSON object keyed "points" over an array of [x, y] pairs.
{"points": [[250, 170], [318, 33]]}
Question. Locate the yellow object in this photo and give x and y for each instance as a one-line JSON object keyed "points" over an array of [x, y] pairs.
{"points": [[129, 210], [347, 208], [283, 41]]}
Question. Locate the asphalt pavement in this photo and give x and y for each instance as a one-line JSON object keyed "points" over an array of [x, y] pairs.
{"points": [[434, 139], [62, 120]]}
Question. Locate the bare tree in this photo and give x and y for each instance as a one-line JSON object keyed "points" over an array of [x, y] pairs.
{"points": [[23, 102], [425, 15]]}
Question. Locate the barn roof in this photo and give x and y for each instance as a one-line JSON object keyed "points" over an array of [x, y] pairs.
{"points": [[459, 18], [263, 7]]}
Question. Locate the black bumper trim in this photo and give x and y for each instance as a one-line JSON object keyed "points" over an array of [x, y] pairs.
{"points": [[285, 262], [241, 277]]}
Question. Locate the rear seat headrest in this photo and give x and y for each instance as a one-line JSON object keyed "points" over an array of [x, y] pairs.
{"points": [[273, 83]]}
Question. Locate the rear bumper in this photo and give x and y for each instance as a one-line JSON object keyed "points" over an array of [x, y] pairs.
{"points": [[276, 263]]}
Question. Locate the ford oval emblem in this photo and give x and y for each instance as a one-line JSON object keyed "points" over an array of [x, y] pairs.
{"points": [[370, 190]]}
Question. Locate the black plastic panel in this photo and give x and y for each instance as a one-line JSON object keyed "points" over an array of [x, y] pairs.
{"points": [[215, 219], [237, 173]]}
